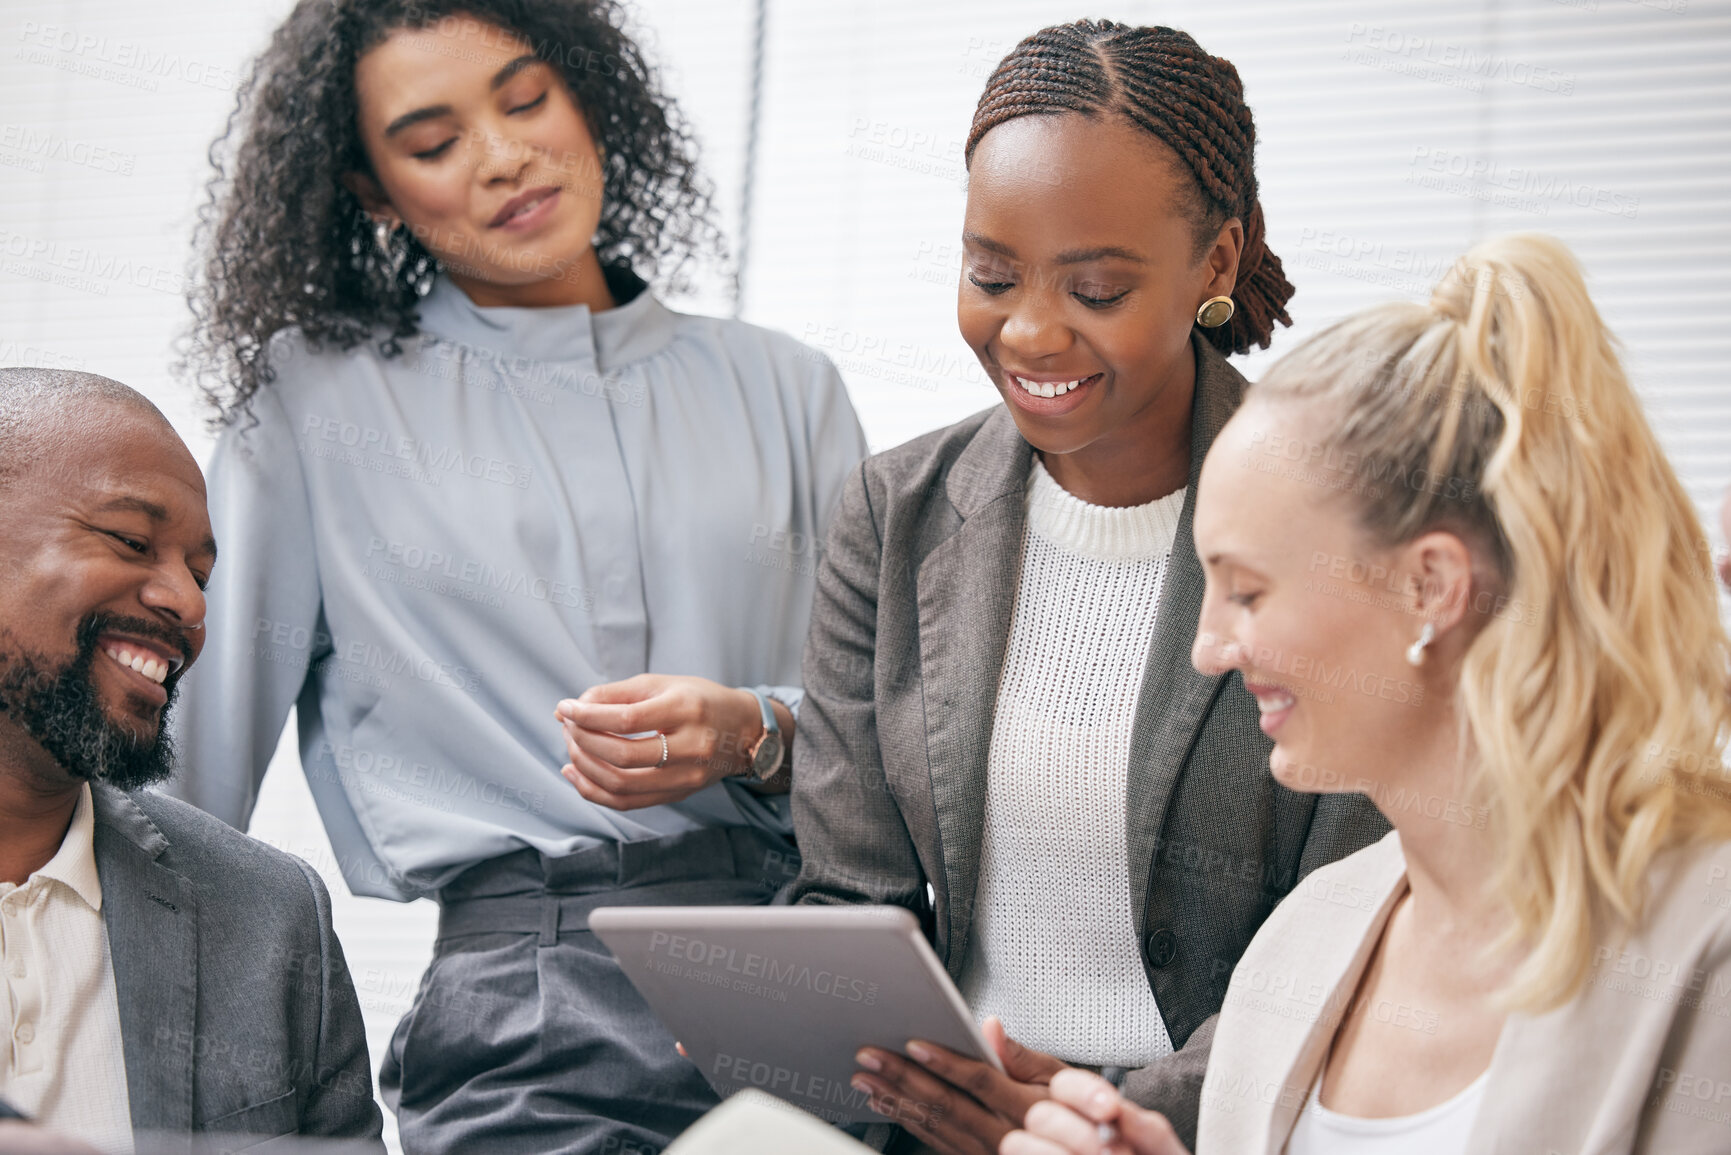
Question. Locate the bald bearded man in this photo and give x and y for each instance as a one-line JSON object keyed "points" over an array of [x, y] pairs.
{"points": [[160, 973]]}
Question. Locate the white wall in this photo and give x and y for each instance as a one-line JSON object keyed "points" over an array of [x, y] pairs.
{"points": [[1393, 135]]}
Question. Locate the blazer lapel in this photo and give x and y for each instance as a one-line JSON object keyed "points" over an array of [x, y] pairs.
{"points": [[1287, 999], [152, 920], [1174, 697], [1313, 1041], [967, 590]]}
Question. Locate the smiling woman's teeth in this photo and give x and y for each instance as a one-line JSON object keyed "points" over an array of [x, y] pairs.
{"points": [[1047, 388], [527, 207], [153, 668], [1274, 703]]}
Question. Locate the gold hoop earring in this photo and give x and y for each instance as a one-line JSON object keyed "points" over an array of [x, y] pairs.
{"points": [[1215, 312]]}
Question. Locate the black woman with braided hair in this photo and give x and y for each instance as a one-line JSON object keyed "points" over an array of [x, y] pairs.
{"points": [[1002, 730], [510, 535]]}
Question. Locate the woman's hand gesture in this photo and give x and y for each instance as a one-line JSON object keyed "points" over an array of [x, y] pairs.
{"points": [[689, 731]]}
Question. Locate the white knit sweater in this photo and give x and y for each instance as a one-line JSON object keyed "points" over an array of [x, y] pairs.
{"points": [[1053, 951]]}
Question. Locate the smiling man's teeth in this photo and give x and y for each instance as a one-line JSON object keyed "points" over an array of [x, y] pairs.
{"points": [[151, 667], [1047, 388]]}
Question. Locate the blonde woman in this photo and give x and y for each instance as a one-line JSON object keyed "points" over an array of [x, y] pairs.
{"points": [[1449, 559]]}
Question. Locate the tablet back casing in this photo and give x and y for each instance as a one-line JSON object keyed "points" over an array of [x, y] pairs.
{"points": [[780, 998]]}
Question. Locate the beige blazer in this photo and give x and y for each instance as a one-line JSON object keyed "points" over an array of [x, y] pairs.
{"points": [[1639, 1061]]}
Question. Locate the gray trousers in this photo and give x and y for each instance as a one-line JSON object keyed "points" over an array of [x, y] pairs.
{"points": [[526, 1036]]}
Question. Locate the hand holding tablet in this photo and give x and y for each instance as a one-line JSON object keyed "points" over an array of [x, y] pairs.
{"points": [[954, 1104]]}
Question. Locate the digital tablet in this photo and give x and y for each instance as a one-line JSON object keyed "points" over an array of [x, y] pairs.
{"points": [[779, 998]]}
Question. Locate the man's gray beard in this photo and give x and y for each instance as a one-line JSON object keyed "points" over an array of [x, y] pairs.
{"points": [[62, 709]]}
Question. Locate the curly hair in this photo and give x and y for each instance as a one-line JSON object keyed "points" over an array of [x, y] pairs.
{"points": [[281, 243], [1166, 85]]}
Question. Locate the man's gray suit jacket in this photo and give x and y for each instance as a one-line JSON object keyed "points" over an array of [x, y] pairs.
{"points": [[237, 1013], [908, 634]]}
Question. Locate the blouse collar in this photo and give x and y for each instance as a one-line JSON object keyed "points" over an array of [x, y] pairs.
{"points": [[638, 327]]}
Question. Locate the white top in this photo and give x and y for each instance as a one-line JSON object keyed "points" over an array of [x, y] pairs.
{"points": [[61, 1061], [1053, 950], [1439, 1130]]}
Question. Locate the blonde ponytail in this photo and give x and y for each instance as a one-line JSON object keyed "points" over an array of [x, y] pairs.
{"points": [[1597, 709]]}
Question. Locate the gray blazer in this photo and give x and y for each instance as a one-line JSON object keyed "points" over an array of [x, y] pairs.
{"points": [[908, 634], [237, 1014]]}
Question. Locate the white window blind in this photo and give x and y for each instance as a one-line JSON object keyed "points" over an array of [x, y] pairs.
{"points": [[1392, 136]]}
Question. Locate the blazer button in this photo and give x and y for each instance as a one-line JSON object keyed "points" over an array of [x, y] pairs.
{"points": [[1162, 947]]}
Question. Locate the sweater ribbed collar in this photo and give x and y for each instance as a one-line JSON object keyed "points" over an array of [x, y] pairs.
{"points": [[1101, 532]]}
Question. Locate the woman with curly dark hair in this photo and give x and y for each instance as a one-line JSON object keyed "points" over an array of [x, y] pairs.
{"points": [[472, 473]]}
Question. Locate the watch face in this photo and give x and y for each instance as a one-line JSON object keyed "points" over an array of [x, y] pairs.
{"points": [[768, 756]]}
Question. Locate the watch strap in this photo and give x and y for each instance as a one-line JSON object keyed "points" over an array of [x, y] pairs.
{"points": [[771, 732], [770, 725]]}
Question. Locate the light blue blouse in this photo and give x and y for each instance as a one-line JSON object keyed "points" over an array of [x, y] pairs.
{"points": [[426, 552]]}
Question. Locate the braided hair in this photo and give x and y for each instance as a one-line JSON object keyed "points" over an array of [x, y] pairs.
{"points": [[1165, 84]]}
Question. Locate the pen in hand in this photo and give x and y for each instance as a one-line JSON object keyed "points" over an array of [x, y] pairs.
{"points": [[1107, 1133]]}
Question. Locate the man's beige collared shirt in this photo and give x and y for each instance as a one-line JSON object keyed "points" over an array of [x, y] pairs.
{"points": [[61, 1060]]}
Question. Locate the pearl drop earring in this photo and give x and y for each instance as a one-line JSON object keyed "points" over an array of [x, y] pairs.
{"points": [[1415, 652]]}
